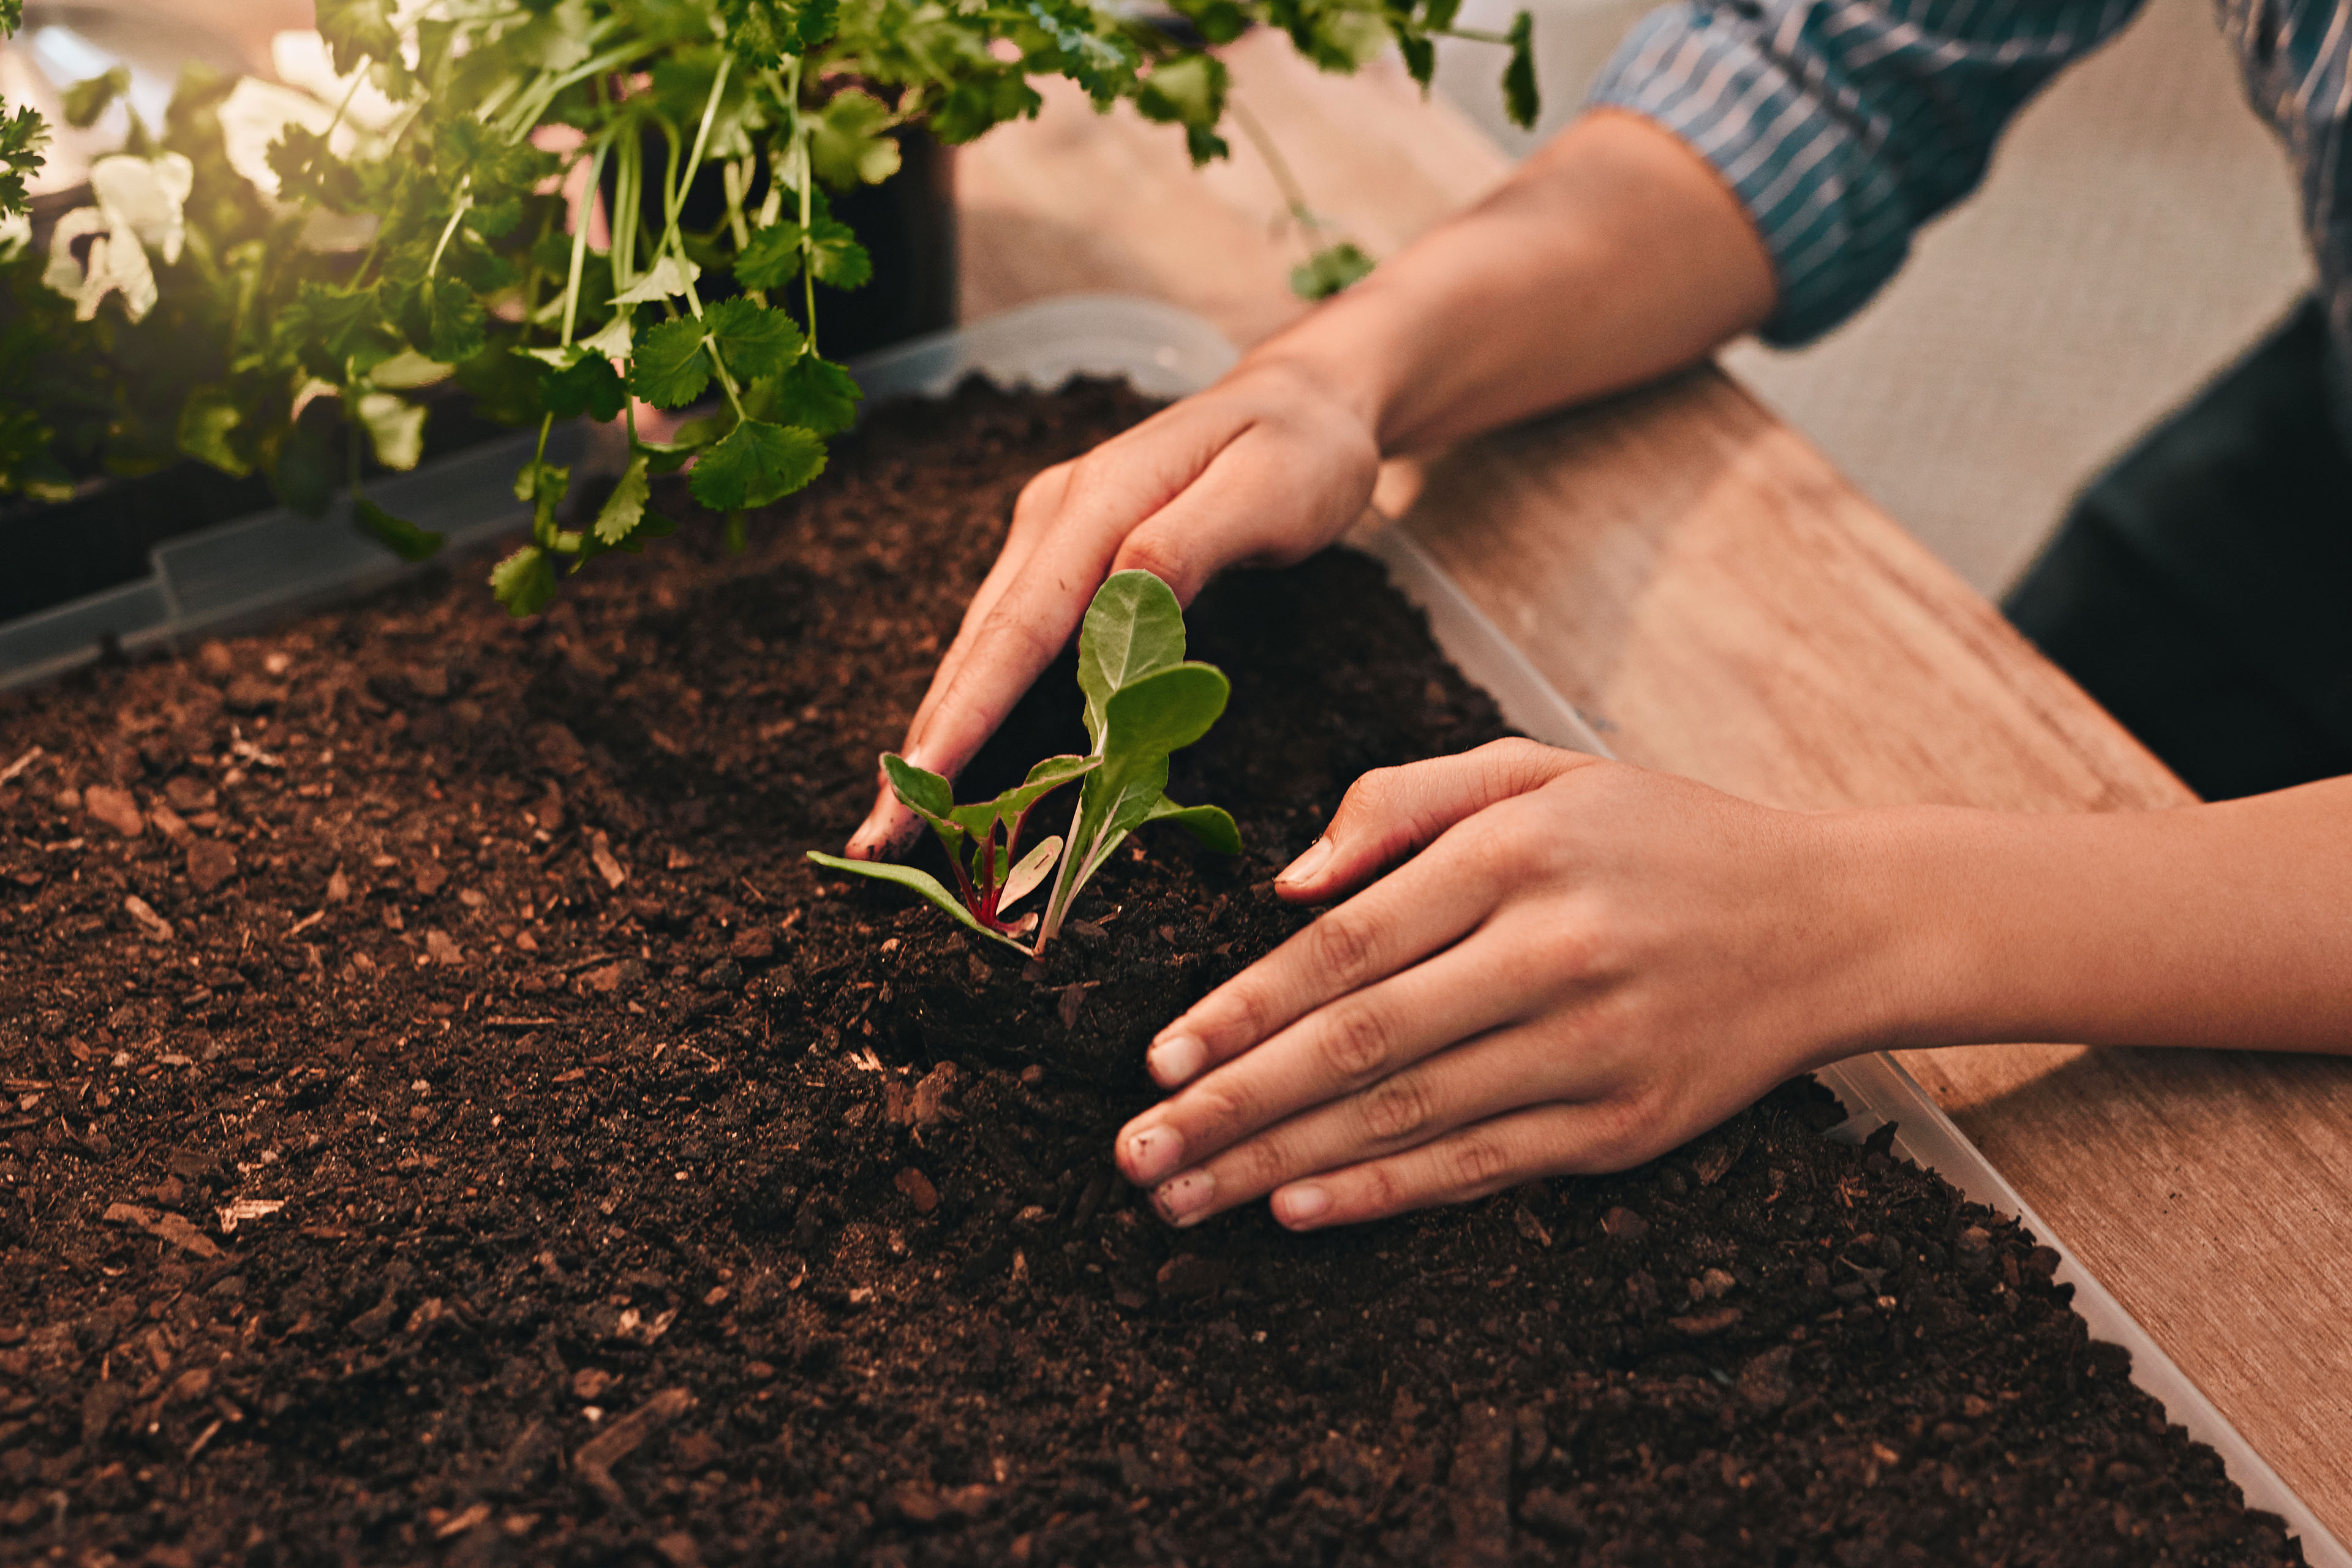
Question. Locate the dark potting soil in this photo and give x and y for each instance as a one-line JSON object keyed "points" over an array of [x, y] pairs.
{"points": [[446, 1117]]}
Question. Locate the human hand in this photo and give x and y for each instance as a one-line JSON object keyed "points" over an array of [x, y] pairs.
{"points": [[1266, 466], [1584, 965]]}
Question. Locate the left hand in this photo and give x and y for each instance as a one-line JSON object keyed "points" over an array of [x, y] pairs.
{"points": [[1581, 965]]}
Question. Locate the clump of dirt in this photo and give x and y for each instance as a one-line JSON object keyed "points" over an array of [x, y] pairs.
{"points": [[445, 1116]]}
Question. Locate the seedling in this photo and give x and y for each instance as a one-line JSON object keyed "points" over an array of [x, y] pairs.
{"points": [[1144, 701]]}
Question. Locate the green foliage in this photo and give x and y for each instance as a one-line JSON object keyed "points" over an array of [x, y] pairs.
{"points": [[1143, 701], [86, 101], [402, 538], [756, 463], [331, 257], [1330, 270]]}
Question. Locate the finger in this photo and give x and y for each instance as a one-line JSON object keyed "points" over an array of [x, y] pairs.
{"points": [[1468, 1163], [1390, 813], [1355, 1044], [1426, 904], [1032, 603], [889, 825], [1223, 520], [1487, 1076]]}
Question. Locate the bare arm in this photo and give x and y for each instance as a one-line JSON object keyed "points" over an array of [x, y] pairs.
{"points": [[1613, 256]]}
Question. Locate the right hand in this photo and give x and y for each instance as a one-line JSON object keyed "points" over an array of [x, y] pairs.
{"points": [[1265, 467]]}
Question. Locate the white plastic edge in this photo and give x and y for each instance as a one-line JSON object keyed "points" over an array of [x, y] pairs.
{"points": [[1170, 353], [1877, 1089]]}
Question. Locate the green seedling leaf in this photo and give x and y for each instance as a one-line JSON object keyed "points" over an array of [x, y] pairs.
{"points": [[1164, 711], [1014, 803], [928, 796], [670, 368], [1133, 627], [400, 536], [1209, 824], [920, 882], [1024, 879], [756, 340], [757, 463], [524, 582], [1331, 270]]}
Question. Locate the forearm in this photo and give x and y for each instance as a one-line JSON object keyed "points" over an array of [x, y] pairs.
{"points": [[2226, 925], [1613, 255]]}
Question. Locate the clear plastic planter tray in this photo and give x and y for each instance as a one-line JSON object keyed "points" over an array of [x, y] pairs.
{"points": [[239, 571], [1170, 353]]}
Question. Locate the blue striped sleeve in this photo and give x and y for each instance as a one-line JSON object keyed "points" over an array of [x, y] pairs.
{"points": [[1843, 125]]}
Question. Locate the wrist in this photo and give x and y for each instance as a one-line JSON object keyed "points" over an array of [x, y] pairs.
{"points": [[1919, 932]]}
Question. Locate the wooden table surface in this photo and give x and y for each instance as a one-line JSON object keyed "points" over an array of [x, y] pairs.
{"points": [[1721, 604]]}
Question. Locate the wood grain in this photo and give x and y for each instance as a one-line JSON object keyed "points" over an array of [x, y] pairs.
{"points": [[1721, 604]]}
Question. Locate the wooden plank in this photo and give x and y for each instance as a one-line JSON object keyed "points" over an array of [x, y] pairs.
{"points": [[1723, 605]]}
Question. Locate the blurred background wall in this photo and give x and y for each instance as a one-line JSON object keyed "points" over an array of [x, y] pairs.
{"points": [[2137, 229]]}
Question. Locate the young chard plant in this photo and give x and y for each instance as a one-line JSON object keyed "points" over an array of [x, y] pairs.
{"points": [[1144, 700]]}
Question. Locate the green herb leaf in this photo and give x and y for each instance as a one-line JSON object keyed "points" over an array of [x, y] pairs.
{"points": [[1521, 101], [1133, 627], [209, 421], [814, 394], [395, 429], [86, 101], [1331, 270], [444, 319], [920, 882], [590, 387], [771, 258], [1187, 90], [848, 142], [400, 536], [670, 368], [668, 277], [755, 464], [357, 31], [618, 518], [524, 582], [756, 340]]}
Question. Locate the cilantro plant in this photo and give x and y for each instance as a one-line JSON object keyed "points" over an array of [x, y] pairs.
{"points": [[1144, 700], [492, 196], [22, 134]]}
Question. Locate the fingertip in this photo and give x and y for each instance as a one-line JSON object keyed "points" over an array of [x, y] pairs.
{"points": [[1174, 1059], [1297, 879], [1301, 1206]]}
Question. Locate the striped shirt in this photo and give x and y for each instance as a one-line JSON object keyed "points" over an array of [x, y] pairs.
{"points": [[1843, 125]]}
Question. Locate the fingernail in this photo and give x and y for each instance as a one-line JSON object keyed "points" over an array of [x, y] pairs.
{"points": [[1302, 1205], [1307, 867], [1175, 1059], [1152, 1153], [1184, 1199]]}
